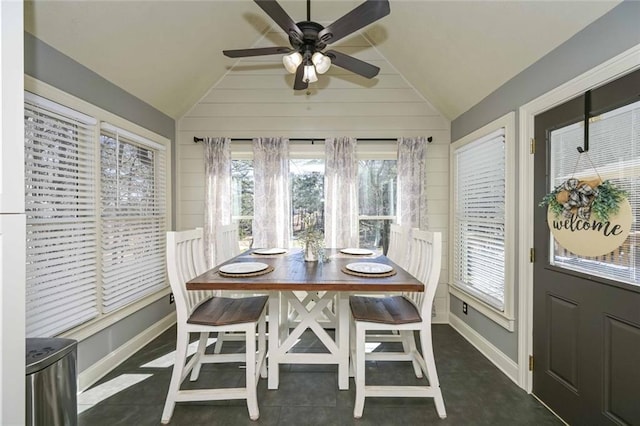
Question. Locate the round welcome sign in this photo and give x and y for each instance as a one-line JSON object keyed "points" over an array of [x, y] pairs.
{"points": [[591, 237]]}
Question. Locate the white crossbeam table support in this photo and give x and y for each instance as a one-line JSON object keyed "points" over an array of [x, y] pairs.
{"points": [[312, 297], [282, 341]]}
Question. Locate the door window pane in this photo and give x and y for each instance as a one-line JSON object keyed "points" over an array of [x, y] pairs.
{"points": [[614, 149]]}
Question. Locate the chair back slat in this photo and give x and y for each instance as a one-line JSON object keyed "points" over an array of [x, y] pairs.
{"points": [[227, 245], [185, 260], [425, 260], [398, 244]]}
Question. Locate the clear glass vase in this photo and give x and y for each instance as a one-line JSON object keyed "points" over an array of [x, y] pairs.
{"points": [[310, 254]]}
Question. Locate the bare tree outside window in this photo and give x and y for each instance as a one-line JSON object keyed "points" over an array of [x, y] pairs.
{"points": [[242, 186], [377, 200], [377, 180], [307, 195]]}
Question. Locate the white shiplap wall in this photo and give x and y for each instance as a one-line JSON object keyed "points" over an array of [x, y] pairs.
{"points": [[255, 98]]}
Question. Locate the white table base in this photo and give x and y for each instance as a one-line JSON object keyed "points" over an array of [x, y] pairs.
{"points": [[281, 340]]}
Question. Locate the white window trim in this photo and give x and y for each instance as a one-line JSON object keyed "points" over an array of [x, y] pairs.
{"points": [[505, 319], [133, 136], [47, 91]]}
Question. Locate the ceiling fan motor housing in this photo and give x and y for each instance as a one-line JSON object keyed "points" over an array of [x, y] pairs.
{"points": [[310, 41]]}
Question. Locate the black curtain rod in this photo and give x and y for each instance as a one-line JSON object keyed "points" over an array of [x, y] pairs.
{"points": [[197, 139]]}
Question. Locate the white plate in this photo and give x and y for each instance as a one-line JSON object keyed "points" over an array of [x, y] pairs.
{"points": [[358, 251], [243, 267], [270, 251], [369, 267]]}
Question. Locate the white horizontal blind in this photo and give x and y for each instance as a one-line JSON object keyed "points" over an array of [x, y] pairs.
{"points": [[479, 218], [133, 218], [60, 205], [614, 149]]}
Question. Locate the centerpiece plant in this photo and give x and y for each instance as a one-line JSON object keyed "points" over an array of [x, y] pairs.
{"points": [[312, 239]]}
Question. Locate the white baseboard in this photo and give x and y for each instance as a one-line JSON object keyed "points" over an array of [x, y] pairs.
{"points": [[98, 370], [508, 366]]}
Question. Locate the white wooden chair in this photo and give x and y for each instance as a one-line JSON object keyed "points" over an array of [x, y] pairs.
{"points": [[227, 245], [398, 244], [204, 314], [407, 313], [398, 253]]}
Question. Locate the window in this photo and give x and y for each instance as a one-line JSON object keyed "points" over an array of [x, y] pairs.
{"points": [[377, 188], [377, 181], [133, 218], [242, 200], [62, 224], [615, 153], [481, 219], [307, 194], [96, 217]]}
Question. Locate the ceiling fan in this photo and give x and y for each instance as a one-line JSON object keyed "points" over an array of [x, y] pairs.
{"points": [[305, 57]]}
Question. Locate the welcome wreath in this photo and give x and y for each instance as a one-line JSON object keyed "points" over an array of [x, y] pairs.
{"points": [[583, 197]]}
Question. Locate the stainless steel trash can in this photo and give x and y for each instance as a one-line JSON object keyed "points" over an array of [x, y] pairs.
{"points": [[51, 382]]}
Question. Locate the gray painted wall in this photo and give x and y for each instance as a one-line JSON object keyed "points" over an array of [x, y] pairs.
{"points": [[46, 64], [612, 34], [94, 348], [489, 330]]}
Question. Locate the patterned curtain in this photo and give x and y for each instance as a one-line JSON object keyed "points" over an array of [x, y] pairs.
{"points": [[412, 200], [341, 193], [217, 211], [271, 198]]}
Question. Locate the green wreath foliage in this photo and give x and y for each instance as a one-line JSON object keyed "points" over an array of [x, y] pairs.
{"points": [[606, 201], [551, 201]]}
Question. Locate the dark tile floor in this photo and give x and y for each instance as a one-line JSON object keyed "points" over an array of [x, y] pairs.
{"points": [[475, 392]]}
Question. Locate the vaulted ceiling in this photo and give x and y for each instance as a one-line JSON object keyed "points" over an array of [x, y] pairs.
{"points": [[169, 53]]}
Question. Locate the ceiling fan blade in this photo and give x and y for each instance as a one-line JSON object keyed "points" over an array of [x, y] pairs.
{"points": [[299, 84], [352, 64], [241, 53], [280, 17], [363, 15]]}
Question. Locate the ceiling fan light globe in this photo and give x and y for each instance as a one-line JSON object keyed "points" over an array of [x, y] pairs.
{"points": [[292, 61], [310, 75], [322, 62]]}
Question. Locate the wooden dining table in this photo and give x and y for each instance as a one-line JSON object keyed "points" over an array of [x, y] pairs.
{"points": [[327, 281]]}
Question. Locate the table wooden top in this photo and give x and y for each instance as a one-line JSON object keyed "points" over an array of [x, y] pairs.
{"points": [[291, 272]]}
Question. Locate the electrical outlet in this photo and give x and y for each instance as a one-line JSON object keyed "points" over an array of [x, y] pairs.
{"points": [[171, 299], [464, 307]]}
